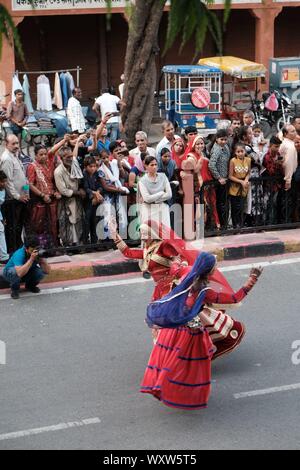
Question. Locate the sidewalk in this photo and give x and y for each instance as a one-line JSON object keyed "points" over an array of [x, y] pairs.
{"points": [[233, 247]]}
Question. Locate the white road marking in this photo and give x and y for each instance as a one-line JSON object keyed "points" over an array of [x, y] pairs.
{"points": [[267, 391], [141, 280], [264, 264], [56, 427], [94, 285]]}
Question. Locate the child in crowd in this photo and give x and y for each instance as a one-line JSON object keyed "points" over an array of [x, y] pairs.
{"points": [[167, 166], [3, 248], [239, 174], [259, 143], [219, 168], [93, 189]]}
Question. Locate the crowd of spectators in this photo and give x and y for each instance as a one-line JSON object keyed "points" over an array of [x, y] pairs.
{"points": [[66, 195]]}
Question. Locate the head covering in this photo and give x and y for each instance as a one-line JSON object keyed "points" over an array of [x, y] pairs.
{"points": [[139, 163], [178, 159], [186, 251], [190, 150], [171, 311]]}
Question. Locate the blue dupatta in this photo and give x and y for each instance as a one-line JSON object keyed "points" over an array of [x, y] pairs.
{"points": [[171, 310]]}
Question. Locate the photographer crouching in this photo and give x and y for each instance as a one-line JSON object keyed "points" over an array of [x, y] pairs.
{"points": [[26, 265]]}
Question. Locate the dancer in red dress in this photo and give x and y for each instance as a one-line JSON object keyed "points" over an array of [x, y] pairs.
{"points": [[169, 259], [179, 368]]}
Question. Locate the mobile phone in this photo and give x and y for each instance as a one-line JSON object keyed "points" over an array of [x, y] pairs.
{"points": [[115, 113]]}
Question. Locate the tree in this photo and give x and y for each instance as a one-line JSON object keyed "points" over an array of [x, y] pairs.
{"points": [[9, 31], [187, 17]]}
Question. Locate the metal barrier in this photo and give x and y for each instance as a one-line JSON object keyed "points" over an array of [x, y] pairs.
{"points": [[267, 207]]}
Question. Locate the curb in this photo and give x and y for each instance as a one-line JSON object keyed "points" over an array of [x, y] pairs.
{"points": [[98, 268]]}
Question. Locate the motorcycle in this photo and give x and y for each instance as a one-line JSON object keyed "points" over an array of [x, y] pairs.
{"points": [[272, 120], [283, 114]]}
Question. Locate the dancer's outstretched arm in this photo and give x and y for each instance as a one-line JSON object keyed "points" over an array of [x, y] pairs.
{"points": [[224, 298], [133, 253]]}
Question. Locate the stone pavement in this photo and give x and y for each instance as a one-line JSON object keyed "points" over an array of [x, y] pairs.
{"points": [[232, 247]]}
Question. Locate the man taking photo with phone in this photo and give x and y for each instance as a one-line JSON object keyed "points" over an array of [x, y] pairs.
{"points": [[108, 103], [26, 265]]}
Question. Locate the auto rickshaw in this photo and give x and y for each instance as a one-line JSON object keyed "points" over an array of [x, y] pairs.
{"points": [[193, 96], [239, 83]]}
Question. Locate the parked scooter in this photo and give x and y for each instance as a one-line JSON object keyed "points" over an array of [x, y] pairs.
{"points": [[283, 114], [272, 118]]}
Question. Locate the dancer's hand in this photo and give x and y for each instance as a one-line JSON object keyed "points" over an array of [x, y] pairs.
{"points": [[256, 272], [253, 276]]}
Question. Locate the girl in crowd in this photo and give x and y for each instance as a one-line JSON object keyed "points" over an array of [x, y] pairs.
{"points": [[239, 174], [178, 152], [154, 191], [44, 197], [195, 153], [255, 201], [179, 368], [137, 171]]}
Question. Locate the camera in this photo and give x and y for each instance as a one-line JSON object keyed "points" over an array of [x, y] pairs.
{"points": [[41, 252]]}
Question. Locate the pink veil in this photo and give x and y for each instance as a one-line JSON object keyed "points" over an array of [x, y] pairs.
{"points": [[188, 253]]}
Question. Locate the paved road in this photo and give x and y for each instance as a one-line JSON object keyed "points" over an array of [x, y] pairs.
{"points": [[81, 355]]}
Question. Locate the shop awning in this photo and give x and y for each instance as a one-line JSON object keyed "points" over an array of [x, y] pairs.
{"points": [[236, 67]]}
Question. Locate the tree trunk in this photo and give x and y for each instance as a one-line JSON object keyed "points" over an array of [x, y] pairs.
{"points": [[140, 66]]}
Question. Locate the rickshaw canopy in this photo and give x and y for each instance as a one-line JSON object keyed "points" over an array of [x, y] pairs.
{"points": [[234, 66], [190, 69]]}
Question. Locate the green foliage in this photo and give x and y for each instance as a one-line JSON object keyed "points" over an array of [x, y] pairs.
{"points": [[193, 18], [9, 31], [227, 9]]}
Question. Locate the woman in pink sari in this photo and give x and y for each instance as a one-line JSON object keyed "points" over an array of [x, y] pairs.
{"points": [[44, 197], [194, 153]]}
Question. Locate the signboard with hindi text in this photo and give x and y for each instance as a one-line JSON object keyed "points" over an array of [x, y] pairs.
{"points": [[46, 5], [25, 5]]}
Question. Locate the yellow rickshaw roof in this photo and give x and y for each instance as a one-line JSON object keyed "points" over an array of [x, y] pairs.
{"points": [[235, 66]]}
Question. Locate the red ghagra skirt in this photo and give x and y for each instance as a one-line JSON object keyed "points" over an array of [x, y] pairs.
{"points": [[179, 368]]}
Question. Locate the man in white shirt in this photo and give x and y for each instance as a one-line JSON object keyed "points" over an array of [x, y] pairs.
{"points": [[74, 112], [108, 103], [168, 139], [14, 209], [141, 140], [289, 154], [121, 86]]}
